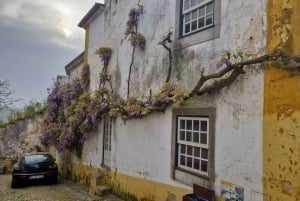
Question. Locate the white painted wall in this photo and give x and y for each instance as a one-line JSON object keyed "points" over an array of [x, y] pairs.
{"points": [[142, 148]]}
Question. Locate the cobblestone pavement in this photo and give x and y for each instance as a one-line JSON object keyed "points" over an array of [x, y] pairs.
{"points": [[64, 190]]}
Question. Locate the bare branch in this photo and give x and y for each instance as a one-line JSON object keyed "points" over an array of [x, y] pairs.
{"points": [[5, 94]]}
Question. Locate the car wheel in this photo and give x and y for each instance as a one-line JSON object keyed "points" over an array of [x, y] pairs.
{"points": [[14, 185], [54, 180]]}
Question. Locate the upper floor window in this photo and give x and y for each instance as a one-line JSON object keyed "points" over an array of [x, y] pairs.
{"points": [[197, 15], [197, 21]]}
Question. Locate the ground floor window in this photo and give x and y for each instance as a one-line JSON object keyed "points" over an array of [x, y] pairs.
{"points": [[107, 133], [193, 145]]}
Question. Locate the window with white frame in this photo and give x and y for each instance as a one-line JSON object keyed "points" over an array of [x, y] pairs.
{"points": [[197, 15], [193, 144], [107, 133]]}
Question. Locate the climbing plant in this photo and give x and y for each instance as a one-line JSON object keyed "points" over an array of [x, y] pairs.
{"points": [[64, 125], [167, 40], [136, 39]]}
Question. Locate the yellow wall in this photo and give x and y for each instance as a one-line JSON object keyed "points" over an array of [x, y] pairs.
{"points": [[146, 190], [128, 187], [8, 166], [281, 147], [86, 45]]}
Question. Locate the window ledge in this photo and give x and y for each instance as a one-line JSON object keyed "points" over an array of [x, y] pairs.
{"points": [[190, 178], [198, 37]]}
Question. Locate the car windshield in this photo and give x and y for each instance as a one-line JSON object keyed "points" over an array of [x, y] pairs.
{"points": [[40, 158]]}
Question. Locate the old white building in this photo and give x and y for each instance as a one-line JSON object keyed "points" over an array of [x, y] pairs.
{"points": [[214, 141]]}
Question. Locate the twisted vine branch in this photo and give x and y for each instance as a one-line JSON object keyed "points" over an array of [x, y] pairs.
{"points": [[234, 70], [167, 39]]}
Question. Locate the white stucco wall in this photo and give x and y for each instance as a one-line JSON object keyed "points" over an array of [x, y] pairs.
{"points": [[142, 148]]}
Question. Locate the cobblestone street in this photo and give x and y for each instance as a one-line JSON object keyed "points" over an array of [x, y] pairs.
{"points": [[65, 190]]}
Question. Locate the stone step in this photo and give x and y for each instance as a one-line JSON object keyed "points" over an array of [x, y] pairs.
{"points": [[96, 178], [103, 189]]}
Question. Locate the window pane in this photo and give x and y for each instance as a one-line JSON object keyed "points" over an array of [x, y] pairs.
{"points": [[209, 8], [187, 28], [182, 160], [186, 4], [189, 162], [196, 164], [196, 137], [194, 25], [190, 150], [202, 11], [182, 149], [209, 20], [182, 135], [201, 22], [203, 138], [196, 125], [197, 152], [188, 136], [187, 17], [204, 153], [194, 2], [194, 15], [204, 166], [203, 125], [189, 124], [182, 124]]}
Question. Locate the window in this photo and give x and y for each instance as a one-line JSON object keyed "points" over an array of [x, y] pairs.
{"points": [[192, 144], [193, 141], [197, 15], [197, 21], [107, 135]]}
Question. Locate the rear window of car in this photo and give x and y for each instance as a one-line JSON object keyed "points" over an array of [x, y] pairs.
{"points": [[40, 158]]}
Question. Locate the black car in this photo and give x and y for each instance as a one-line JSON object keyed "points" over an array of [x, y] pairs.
{"points": [[33, 167]]}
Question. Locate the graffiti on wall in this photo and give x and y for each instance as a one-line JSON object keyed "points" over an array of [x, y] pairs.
{"points": [[231, 192]]}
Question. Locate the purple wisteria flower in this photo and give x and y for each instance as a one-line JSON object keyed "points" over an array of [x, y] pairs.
{"points": [[219, 64], [77, 87], [138, 40], [105, 54], [227, 62]]}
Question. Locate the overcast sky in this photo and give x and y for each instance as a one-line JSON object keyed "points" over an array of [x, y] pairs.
{"points": [[37, 39]]}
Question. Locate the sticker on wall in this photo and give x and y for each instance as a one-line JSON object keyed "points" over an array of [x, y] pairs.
{"points": [[231, 192]]}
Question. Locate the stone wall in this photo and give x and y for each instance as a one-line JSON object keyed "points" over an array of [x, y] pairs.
{"points": [[21, 137]]}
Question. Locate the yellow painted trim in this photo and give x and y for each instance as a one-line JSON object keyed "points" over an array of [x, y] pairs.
{"points": [[144, 189], [123, 185], [86, 45], [281, 118]]}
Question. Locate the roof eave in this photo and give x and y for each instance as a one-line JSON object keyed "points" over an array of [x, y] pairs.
{"points": [[75, 62], [91, 14]]}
